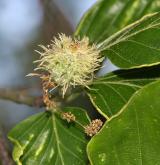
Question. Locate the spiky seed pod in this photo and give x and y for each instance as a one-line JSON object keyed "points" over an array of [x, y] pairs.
{"points": [[70, 62], [93, 127]]}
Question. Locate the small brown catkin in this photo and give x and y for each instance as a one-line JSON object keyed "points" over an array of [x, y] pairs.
{"points": [[68, 116], [93, 127]]}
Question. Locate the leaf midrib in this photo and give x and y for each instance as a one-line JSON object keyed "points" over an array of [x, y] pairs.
{"points": [[103, 46], [57, 139], [117, 83]]}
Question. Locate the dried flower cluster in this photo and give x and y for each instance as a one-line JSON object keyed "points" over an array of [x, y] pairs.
{"points": [[93, 127], [69, 62], [47, 84], [68, 116]]}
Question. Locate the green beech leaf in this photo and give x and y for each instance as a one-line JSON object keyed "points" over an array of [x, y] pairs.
{"points": [[137, 45], [109, 16], [111, 92], [46, 139], [133, 136]]}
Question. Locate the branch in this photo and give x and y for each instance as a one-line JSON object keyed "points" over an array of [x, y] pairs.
{"points": [[54, 21], [21, 97], [5, 158]]}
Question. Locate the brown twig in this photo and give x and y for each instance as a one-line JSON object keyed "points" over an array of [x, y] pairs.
{"points": [[54, 21], [4, 155], [21, 97]]}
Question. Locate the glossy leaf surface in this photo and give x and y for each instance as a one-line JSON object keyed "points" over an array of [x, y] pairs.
{"points": [[132, 137], [109, 16], [46, 139], [111, 92], [137, 45]]}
